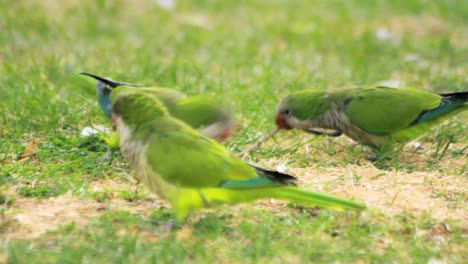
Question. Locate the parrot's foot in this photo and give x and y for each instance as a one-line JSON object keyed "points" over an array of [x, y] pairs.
{"points": [[167, 225], [385, 152], [373, 157], [106, 157], [136, 188], [376, 157]]}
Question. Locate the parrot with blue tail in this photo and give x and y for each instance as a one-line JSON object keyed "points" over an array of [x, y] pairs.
{"points": [[190, 170], [377, 117], [213, 117]]}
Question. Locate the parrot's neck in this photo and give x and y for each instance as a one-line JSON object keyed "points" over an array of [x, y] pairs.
{"points": [[218, 130], [104, 102], [334, 118]]}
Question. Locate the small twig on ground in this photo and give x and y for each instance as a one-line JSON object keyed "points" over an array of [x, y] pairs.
{"points": [[255, 146]]}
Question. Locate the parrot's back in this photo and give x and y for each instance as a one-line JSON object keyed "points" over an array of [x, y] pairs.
{"points": [[211, 116], [399, 115], [169, 97]]}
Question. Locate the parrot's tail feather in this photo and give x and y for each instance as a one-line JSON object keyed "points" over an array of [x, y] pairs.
{"points": [[311, 198], [461, 97], [214, 196], [276, 175], [450, 104]]}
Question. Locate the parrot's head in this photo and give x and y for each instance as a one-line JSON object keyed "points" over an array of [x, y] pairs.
{"points": [[132, 107], [286, 114], [104, 87], [281, 119], [297, 109]]}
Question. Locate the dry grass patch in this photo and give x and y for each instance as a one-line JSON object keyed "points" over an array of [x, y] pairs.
{"points": [[30, 217], [428, 185], [391, 192]]}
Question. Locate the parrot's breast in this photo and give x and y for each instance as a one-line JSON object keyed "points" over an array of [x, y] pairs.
{"points": [[132, 149], [334, 118], [219, 130]]}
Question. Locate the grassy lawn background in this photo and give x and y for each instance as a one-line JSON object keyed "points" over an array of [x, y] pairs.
{"points": [[61, 205]]}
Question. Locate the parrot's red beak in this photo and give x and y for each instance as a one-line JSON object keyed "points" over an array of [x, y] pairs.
{"points": [[281, 123]]}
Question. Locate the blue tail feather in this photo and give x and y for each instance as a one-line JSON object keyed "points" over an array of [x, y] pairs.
{"points": [[449, 103]]}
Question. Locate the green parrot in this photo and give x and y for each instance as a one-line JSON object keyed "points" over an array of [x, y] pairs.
{"points": [[377, 117], [190, 170], [211, 116]]}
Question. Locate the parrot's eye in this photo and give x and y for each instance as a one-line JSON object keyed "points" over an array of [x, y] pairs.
{"points": [[287, 112]]}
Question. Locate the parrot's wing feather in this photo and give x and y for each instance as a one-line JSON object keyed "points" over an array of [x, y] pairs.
{"points": [[198, 111], [186, 158], [169, 97], [275, 175], [385, 110], [319, 132]]}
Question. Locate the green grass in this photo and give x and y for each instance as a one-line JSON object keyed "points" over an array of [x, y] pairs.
{"points": [[252, 52]]}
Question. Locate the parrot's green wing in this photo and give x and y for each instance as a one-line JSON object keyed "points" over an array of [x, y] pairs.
{"points": [[185, 158], [201, 110], [169, 97], [385, 110]]}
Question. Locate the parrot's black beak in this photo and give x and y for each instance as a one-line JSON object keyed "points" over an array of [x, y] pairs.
{"points": [[109, 82]]}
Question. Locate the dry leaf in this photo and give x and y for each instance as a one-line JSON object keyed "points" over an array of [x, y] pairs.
{"points": [[29, 150]]}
